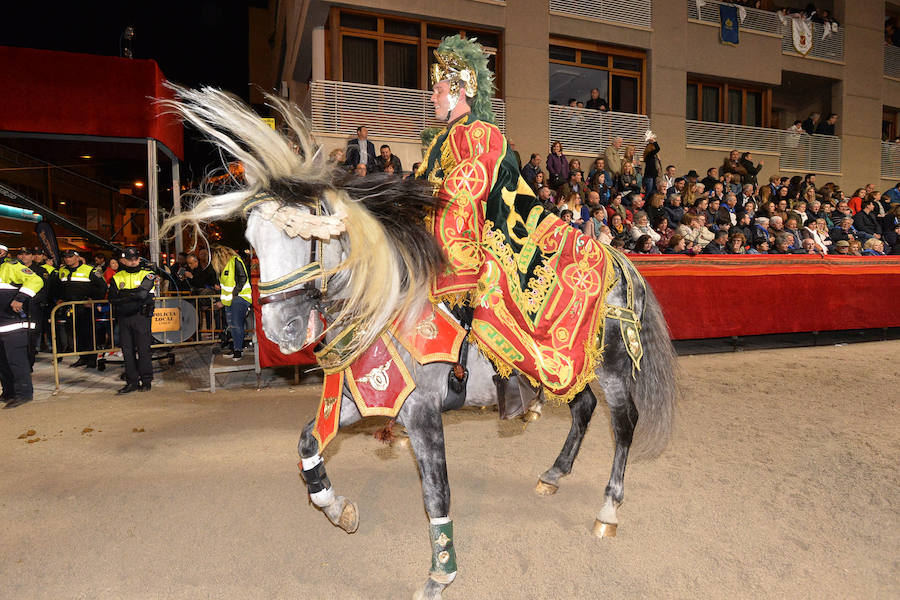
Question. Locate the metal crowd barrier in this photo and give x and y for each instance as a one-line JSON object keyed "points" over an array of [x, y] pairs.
{"points": [[178, 321]]}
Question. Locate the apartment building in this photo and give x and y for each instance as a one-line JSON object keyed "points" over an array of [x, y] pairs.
{"points": [[660, 64]]}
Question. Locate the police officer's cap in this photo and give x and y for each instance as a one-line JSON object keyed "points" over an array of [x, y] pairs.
{"points": [[38, 250], [25, 250], [70, 253], [131, 253]]}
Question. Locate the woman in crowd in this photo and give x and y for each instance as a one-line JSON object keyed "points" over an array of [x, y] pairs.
{"points": [[873, 247], [580, 212], [575, 165], [594, 226], [798, 212], [234, 281], [628, 156], [828, 209], [111, 269], [628, 180], [855, 202], [736, 243], [538, 182], [661, 226], [855, 248], [641, 226], [814, 210], [599, 185], [693, 231], [644, 245], [655, 208], [750, 209], [651, 162], [557, 165], [617, 229], [615, 208], [765, 194], [676, 245], [814, 231], [674, 210]]}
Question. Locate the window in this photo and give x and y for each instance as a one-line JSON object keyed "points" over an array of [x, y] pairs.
{"points": [[576, 67], [392, 51], [719, 102]]}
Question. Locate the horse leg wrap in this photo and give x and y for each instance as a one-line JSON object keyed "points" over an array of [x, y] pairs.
{"points": [[317, 482], [443, 553]]}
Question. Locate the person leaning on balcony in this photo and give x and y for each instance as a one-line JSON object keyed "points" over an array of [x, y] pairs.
{"points": [[826, 127], [613, 157], [596, 102], [809, 125], [361, 151], [557, 165]]}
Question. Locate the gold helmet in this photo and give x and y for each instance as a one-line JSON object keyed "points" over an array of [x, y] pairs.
{"points": [[452, 68]]}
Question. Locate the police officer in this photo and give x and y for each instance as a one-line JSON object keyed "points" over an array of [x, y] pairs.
{"points": [[26, 257], [41, 313], [131, 293], [76, 280], [18, 285]]}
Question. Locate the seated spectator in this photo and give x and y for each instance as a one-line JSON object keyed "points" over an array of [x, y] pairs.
{"points": [[735, 244], [538, 182], [750, 210], [728, 210], [596, 102], [635, 202], [865, 222], [593, 200], [893, 239], [361, 170], [566, 216], [677, 187], [760, 231], [674, 210], [776, 225], [873, 247], [759, 247], [336, 156], [573, 186], [798, 212], [712, 209], [828, 208], [641, 226], [532, 168], [855, 201], [617, 230], [615, 208], [580, 211], [711, 179], [594, 226], [826, 127], [893, 194], [806, 247], [814, 231], [745, 196], [717, 245], [655, 209], [628, 180], [691, 194], [557, 165], [692, 230], [661, 226], [790, 227], [730, 184], [618, 244], [842, 247], [644, 245], [814, 211], [628, 156], [575, 165], [782, 244], [676, 245], [600, 187], [855, 248], [387, 158], [744, 227], [599, 166], [545, 196], [700, 207], [717, 193], [746, 161], [844, 231]]}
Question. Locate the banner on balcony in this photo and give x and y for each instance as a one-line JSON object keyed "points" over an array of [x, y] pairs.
{"points": [[728, 24], [802, 33]]}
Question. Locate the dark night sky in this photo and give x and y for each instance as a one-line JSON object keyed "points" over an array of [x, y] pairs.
{"points": [[194, 41]]}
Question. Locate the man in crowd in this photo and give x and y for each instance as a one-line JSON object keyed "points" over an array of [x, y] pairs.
{"points": [[361, 151], [531, 168], [613, 157], [809, 125], [842, 247], [387, 158], [596, 102], [573, 186], [711, 179], [717, 246], [669, 177], [866, 223], [677, 187], [826, 127], [18, 286], [844, 231], [745, 197]]}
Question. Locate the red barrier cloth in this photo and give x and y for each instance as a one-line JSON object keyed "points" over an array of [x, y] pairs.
{"points": [[85, 94], [269, 354], [721, 296]]}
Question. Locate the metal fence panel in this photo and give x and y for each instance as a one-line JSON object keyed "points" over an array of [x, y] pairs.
{"points": [[890, 160], [892, 61], [338, 107], [589, 131]]}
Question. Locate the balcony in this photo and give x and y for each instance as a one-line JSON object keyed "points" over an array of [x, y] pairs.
{"points": [[767, 23], [890, 161], [338, 108], [892, 62], [633, 13], [585, 131], [797, 153]]}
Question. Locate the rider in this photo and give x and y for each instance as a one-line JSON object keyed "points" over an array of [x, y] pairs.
{"points": [[535, 284]]}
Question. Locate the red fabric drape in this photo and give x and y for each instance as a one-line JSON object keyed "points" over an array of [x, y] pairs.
{"points": [[720, 296], [269, 354], [64, 92]]}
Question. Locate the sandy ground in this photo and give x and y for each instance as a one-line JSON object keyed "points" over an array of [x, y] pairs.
{"points": [[779, 483]]}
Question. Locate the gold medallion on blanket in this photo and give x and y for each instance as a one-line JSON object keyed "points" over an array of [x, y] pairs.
{"points": [[537, 284]]}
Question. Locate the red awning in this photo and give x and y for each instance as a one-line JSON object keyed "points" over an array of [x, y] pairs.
{"points": [[84, 94]]}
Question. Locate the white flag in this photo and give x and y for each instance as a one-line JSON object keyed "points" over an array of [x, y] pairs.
{"points": [[803, 35]]}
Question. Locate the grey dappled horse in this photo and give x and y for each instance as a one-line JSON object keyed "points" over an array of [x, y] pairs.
{"points": [[357, 251]]}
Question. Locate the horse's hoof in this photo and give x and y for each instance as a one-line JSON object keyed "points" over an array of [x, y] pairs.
{"points": [[604, 530], [531, 416], [545, 489], [349, 520]]}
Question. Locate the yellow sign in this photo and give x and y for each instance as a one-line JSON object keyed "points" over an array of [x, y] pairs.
{"points": [[270, 121], [166, 319]]}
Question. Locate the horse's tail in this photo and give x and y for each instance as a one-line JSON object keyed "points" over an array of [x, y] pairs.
{"points": [[655, 390]]}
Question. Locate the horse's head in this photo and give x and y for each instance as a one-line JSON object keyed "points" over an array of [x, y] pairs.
{"points": [[300, 248]]}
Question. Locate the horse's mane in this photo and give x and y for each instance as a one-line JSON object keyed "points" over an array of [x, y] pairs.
{"points": [[391, 256]]}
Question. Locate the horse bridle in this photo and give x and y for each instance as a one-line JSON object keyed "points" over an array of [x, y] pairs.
{"points": [[280, 289]]}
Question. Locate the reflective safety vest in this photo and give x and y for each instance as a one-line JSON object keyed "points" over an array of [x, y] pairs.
{"points": [[17, 282], [75, 284], [227, 282], [48, 267], [130, 281]]}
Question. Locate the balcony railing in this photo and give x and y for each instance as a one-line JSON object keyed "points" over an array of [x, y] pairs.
{"points": [[892, 61], [796, 152], [636, 13], [588, 131], [890, 161], [767, 22], [337, 107]]}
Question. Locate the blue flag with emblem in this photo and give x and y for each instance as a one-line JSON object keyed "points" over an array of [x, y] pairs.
{"points": [[728, 24]]}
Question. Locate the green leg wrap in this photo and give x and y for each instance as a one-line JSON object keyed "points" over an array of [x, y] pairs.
{"points": [[443, 553]]}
